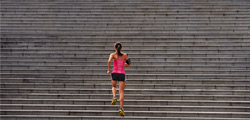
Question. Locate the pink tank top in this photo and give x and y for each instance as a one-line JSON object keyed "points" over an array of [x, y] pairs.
{"points": [[118, 66]]}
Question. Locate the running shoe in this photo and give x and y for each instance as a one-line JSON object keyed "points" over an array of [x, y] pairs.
{"points": [[113, 101], [121, 111]]}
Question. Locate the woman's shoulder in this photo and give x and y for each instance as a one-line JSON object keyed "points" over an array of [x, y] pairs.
{"points": [[124, 53], [124, 56], [112, 54]]}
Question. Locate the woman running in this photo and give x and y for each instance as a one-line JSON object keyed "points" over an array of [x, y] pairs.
{"points": [[119, 61]]}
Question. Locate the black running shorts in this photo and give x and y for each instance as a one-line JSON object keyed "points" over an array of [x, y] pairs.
{"points": [[118, 76]]}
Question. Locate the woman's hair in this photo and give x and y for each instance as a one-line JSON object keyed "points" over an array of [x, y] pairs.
{"points": [[118, 46]]}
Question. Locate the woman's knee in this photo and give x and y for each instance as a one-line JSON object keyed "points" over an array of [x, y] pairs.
{"points": [[114, 84]]}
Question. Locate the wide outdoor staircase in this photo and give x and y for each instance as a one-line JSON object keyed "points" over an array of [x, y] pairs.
{"points": [[190, 59]]}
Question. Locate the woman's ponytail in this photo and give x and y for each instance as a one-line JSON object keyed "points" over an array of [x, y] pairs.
{"points": [[118, 46]]}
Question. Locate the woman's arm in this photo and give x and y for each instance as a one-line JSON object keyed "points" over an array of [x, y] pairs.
{"points": [[109, 61], [127, 65]]}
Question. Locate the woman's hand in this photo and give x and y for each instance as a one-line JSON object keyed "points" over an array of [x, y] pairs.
{"points": [[127, 65], [108, 72]]}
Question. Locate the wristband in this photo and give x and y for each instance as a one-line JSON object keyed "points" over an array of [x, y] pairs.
{"points": [[128, 61]]}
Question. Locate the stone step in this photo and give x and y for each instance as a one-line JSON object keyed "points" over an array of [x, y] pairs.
{"points": [[105, 14], [144, 24], [78, 54], [128, 76], [107, 8], [60, 117], [129, 1], [155, 22], [19, 26], [146, 59], [140, 17], [146, 1], [177, 2], [137, 33], [173, 36], [130, 54], [231, 33], [169, 30], [158, 28], [128, 113], [135, 63], [7, 12], [162, 71], [127, 5], [158, 13], [119, 29], [159, 50], [133, 52], [120, 16], [242, 12], [130, 81], [30, 50], [82, 24], [128, 43], [124, 41], [104, 8], [145, 69], [138, 12], [128, 107], [176, 49], [128, 91], [85, 55], [57, 62], [129, 71], [172, 67], [128, 86], [127, 96], [12, 11], [133, 70], [127, 102], [207, 18], [158, 23], [138, 47]]}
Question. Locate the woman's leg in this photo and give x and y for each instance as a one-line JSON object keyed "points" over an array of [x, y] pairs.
{"points": [[114, 83], [121, 92]]}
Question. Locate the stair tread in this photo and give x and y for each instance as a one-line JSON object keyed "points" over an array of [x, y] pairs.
{"points": [[118, 117], [130, 100], [158, 106], [128, 89]]}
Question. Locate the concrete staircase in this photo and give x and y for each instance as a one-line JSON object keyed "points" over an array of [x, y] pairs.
{"points": [[190, 59]]}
